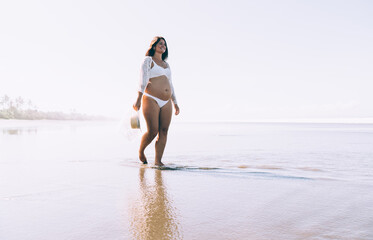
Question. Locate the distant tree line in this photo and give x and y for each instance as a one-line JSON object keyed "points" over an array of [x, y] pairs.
{"points": [[24, 109]]}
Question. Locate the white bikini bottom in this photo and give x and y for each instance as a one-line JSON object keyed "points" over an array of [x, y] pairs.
{"points": [[160, 102]]}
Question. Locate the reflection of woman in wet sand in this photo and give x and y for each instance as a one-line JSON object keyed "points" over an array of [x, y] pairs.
{"points": [[156, 92], [153, 216]]}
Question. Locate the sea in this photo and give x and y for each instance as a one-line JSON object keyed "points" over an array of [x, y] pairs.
{"points": [[221, 180], [331, 151]]}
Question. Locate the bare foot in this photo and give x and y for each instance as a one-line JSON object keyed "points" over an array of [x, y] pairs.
{"points": [[142, 158], [159, 164]]}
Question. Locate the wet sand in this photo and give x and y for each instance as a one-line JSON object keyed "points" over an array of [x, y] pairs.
{"points": [[81, 180], [114, 200]]}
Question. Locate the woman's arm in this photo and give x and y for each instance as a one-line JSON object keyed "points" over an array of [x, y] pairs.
{"points": [[144, 79], [137, 104], [173, 96]]}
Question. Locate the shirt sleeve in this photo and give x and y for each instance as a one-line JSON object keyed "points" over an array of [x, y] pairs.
{"points": [[144, 74], [173, 96]]}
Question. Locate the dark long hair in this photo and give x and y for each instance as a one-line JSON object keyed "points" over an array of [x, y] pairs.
{"points": [[151, 49]]}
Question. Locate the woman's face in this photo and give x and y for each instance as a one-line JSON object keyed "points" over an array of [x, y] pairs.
{"points": [[161, 46]]}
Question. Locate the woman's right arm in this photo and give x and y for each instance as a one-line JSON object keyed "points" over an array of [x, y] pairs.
{"points": [[137, 104], [144, 79]]}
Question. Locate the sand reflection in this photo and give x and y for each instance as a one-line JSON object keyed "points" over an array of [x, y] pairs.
{"points": [[152, 216]]}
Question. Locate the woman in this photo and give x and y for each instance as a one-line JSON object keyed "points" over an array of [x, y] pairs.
{"points": [[156, 92]]}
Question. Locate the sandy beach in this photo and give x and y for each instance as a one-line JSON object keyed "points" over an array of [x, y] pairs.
{"points": [[78, 193]]}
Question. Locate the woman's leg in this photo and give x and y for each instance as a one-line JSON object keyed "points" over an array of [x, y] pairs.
{"points": [[150, 110], [165, 115]]}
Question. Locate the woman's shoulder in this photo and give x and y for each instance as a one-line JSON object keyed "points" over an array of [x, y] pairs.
{"points": [[168, 65], [147, 60]]}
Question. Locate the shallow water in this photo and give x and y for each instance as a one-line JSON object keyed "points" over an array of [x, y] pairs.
{"points": [[82, 180], [327, 151], [316, 151]]}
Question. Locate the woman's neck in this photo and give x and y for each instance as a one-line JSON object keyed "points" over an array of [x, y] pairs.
{"points": [[158, 56]]}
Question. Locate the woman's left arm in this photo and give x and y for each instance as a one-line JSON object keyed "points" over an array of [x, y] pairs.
{"points": [[173, 96]]}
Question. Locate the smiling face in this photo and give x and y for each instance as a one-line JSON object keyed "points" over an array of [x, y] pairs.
{"points": [[158, 45], [161, 47]]}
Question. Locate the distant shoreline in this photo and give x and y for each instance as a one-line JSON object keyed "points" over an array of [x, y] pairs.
{"points": [[38, 115], [21, 109]]}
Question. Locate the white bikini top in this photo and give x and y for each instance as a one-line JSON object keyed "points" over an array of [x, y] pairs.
{"points": [[157, 71], [147, 72]]}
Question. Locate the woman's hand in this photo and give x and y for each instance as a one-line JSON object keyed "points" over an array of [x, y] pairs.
{"points": [[177, 109], [137, 104]]}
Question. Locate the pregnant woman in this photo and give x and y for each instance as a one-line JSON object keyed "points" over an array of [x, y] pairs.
{"points": [[156, 93]]}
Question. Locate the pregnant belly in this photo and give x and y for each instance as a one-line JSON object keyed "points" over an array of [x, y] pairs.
{"points": [[159, 87]]}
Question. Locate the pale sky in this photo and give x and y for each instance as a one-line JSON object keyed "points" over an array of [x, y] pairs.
{"points": [[231, 60]]}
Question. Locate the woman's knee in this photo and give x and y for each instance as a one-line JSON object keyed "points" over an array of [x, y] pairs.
{"points": [[163, 131], [152, 133]]}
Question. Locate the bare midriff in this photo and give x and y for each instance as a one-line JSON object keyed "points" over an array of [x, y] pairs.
{"points": [[159, 87]]}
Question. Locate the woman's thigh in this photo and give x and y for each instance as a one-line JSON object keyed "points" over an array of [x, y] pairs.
{"points": [[165, 116], [151, 112]]}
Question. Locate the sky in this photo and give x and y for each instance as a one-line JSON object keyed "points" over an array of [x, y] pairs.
{"points": [[236, 60]]}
